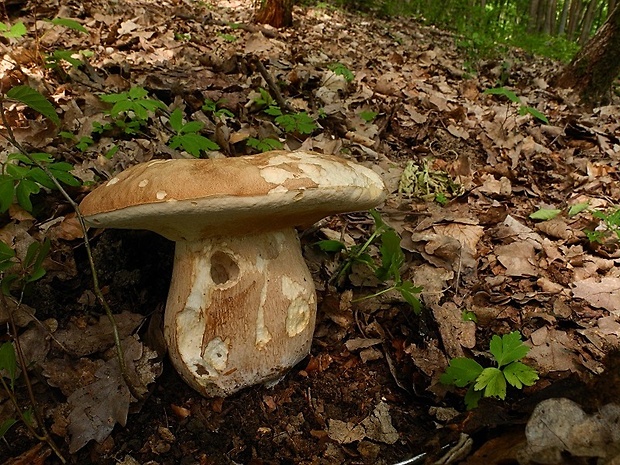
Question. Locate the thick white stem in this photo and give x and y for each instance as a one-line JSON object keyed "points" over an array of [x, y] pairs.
{"points": [[241, 310]]}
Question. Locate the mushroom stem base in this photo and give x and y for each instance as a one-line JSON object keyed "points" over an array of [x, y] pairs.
{"points": [[241, 310]]}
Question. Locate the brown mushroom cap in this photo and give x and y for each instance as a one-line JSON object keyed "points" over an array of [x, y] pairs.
{"points": [[193, 199]]}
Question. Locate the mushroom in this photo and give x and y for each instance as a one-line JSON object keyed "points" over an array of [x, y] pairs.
{"points": [[242, 306]]}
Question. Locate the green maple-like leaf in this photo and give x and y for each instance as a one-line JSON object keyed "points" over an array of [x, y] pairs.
{"points": [[518, 375], [461, 372], [493, 382], [508, 348]]}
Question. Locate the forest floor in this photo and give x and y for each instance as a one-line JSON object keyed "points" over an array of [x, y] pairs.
{"points": [[465, 170]]}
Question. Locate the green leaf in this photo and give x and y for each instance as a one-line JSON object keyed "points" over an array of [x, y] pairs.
{"points": [[341, 70], [8, 361], [114, 98], [461, 371], [505, 92], [6, 252], [392, 256], [28, 96], [469, 316], [192, 143], [536, 114], [122, 106], [574, 210], [493, 382], [66, 55], [6, 426], [70, 23], [545, 214], [7, 192], [176, 119], [519, 374], [472, 397], [332, 246], [136, 93], [273, 111], [14, 32], [410, 293], [508, 348], [368, 116], [24, 190], [264, 145], [192, 127], [39, 176]]}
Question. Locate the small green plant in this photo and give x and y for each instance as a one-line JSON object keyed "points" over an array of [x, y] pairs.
{"points": [[228, 37], [211, 107], [82, 144], [21, 178], [300, 122], [53, 60], [183, 36], [15, 31], [507, 351], [264, 145], [341, 70], [610, 219], [264, 99], [134, 103], [187, 136], [22, 271], [392, 259], [368, 116], [523, 109]]}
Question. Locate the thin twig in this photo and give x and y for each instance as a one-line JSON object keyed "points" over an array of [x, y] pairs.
{"points": [[273, 87], [97, 290]]}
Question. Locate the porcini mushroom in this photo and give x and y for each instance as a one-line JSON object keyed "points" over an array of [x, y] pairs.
{"points": [[241, 307]]}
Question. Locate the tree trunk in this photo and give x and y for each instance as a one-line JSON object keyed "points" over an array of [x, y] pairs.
{"points": [[533, 17], [594, 68], [276, 13], [563, 18], [586, 27], [573, 18]]}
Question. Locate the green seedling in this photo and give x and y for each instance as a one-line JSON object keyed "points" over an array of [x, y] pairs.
{"points": [[20, 272], [300, 122], [134, 103], [211, 107], [54, 59], [507, 351], [82, 144], [228, 37], [368, 116], [523, 109], [392, 259], [187, 135], [264, 99], [183, 36], [609, 218], [341, 70], [20, 178], [264, 145], [15, 31]]}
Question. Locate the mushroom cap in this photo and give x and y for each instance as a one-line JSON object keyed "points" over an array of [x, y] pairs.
{"points": [[191, 199]]}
